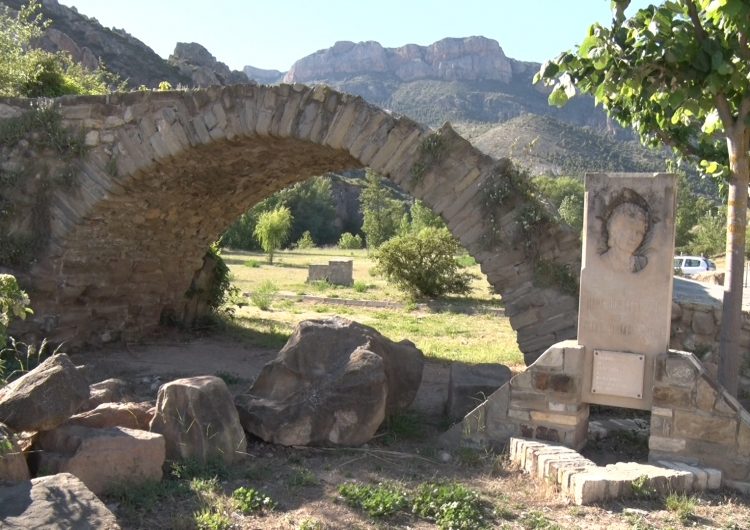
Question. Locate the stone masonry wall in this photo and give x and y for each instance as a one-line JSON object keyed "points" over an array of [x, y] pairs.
{"points": [[337, 272], [166, 172], [695, 328], [696, 422], [542, 403]]}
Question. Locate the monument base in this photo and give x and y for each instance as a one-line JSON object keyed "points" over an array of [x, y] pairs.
{"points": [[542, 403], [693, 419]]}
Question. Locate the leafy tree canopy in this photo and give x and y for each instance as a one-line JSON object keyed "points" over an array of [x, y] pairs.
{"points": [[272, 229]]}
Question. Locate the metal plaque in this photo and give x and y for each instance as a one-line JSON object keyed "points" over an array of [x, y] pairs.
{"points": [[618, 374]]}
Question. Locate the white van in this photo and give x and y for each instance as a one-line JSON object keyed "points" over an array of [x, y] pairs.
{"points": [[690, 265]]}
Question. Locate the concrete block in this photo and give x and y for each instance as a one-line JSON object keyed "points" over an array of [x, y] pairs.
{"points": [[667, 445]]}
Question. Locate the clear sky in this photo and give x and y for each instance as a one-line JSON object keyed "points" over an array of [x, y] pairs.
{"points": [[273, 34]]}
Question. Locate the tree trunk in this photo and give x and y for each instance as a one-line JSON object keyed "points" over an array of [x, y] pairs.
{"points": [[731, 317]]}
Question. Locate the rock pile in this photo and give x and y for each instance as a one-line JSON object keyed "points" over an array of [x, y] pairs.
{"points": [[334, 382]]}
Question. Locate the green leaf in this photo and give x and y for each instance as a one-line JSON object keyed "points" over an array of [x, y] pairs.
{"points": [[587, 45], [558, 97]]}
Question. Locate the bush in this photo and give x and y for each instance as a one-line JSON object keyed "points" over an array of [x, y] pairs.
{"points": [[423, 263], [263, 295], [14, 303], [348, 241], [306, 241]]}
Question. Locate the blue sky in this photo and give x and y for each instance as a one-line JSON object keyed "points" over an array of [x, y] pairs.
{"points": [[274, 34]]}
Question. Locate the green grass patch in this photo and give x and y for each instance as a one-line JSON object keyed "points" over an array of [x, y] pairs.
{"points": [[250, 501], [681, 505], [380, 500]]}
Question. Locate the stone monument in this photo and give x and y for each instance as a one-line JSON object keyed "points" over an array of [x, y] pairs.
{"points": [[626, 285], [622, 357], [624, 321]]}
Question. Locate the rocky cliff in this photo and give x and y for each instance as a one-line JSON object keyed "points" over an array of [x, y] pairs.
{"points": [[467, 59], [197, 63]]}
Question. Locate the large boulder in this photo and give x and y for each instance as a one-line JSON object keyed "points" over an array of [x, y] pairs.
{"points": [[333, 382], [55, 502], [102, 458], [45, 397], [199, 421], [130, 415], [13, 467]]}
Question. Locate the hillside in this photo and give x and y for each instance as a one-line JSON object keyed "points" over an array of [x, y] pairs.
{"points": [[546, 145]]}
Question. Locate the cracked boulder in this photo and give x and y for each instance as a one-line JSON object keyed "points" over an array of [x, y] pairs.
{"points": [[334, 382]]}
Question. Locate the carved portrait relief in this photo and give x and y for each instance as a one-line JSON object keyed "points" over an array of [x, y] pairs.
{"points": [[626, 226]]}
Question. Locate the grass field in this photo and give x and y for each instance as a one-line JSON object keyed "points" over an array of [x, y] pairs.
{"points": [[449, 334]]}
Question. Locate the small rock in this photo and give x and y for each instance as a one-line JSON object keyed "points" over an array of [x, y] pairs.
{"points": [[198, 418], [130, 415], [445, 457], [102, 458], [107, 391]]}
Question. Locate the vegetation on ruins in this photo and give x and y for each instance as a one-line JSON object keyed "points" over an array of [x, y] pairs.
{"points": [[677, 73]]}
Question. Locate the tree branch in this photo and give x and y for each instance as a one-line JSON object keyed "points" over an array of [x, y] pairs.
{"points": [[693, 12]]}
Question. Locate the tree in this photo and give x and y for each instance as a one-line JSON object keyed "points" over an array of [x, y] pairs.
{"points": [[382, 214], [272, 229], [677, 73], [691, 208], [422, 217], [423, 263], [27, 72]]}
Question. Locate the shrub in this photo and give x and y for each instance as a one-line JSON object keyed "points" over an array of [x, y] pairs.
{"points": [[348, 241], [423, 263], [360, 286], [14, 303], [306, 241], [263, 295], [208, 519]]}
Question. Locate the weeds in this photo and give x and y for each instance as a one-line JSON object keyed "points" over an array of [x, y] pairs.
{"points": [[360, 286], [682, 506], [452, 506], [641, 488], [302, 477], [536, 520], [250, 501], [209, 519], [263, 295], [381, 500], [310, 524]]}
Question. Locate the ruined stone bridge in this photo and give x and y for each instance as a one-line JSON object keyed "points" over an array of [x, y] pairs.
{"points": [[165, 173]]}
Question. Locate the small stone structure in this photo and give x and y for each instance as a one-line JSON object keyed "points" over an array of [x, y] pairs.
{"points": [[337, 272], [621, 357], [586, 483]]}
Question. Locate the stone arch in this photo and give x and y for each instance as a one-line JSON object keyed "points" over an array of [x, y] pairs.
{"points": [[168, 171]]}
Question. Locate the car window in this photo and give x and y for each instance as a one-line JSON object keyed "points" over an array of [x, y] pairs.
{"points": [[677, 262], [692, 263]]}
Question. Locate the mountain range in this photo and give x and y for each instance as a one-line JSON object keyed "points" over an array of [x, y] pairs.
{"points": [[486, 96]]}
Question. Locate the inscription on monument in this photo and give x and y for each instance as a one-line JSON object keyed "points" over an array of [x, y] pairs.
{"points": [[618, 374]]}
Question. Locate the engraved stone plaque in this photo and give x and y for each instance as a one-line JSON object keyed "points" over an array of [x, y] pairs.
{"points": [[618, 374]]}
